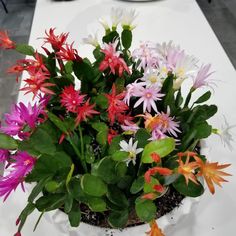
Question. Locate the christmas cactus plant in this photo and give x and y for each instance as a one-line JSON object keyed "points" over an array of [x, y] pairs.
{"points": [[118, 140]]}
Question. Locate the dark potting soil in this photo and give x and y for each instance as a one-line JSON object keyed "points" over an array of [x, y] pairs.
{"points": [[165, 204]]}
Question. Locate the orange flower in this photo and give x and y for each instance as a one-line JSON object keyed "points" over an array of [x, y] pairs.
{"points": [[154, 170], [155, 231], [186, 169], [212, 173]]}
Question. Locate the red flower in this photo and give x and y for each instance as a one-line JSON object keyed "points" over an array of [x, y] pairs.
{"points": [[16, 69], [149, 196], [37, 83], [116, 104], [5, 41], [85, 111], [112, 134], [154, 170], [71, 99], [113, 60], [68, 53], [57, 41]]}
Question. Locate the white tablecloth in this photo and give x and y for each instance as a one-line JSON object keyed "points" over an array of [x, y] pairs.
{"points": [[183, 22]]}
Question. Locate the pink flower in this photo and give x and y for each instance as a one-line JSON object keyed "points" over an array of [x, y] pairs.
{"points": [[148, 96], [147, 54], [4, 155], [113, 60], [202, 77], [5, 41], [71, 99], [20, 117], [22, 166]]}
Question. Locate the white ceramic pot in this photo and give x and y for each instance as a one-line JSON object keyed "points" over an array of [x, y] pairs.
{"points": [[60, 220]]}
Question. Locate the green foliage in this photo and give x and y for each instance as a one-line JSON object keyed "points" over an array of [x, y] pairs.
{"points": [[75, 215], [137, 185], [93, 185], [162, 147], [97, 204], [7, 142], [118, 219], [146, 210], [126, 38], [25, 49], [191, 190]]}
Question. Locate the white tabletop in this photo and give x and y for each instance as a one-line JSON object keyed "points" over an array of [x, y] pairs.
{"points": [[180, 21]]}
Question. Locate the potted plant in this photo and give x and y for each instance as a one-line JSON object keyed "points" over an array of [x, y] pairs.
{"points": [[111, 150]]}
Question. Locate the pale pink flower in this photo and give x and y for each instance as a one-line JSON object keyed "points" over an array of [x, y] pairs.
{"points": [[148, 96], [147, 55], [130, 127], [22, 166], [168, 124], [157, 134], [132, 90], [202, 78]]}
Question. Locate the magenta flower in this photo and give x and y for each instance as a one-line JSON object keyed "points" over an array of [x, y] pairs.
{"points": [[22, 166], [202, 77], [129, 126], [20, 117], [148, 96], [4, 155], [157, 134]]}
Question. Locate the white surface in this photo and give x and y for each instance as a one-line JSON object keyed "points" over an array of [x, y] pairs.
{"points": [[182, 22]]}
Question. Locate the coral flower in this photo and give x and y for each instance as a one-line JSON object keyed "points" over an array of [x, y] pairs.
{"points": [[212, 173], [160, 170], [38, 83], [68, 53], [187, 169], [5, 41], [71, 99], [148, 96], [113, 60], [16, 69], [116, 104], [155, 230], [56, 41], [85, 111], [20, 169]]}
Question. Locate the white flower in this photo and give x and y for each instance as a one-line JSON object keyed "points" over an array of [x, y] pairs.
{"points": [[104, 23], [131, 149], [151, 78], [226, 135], [128, 18], [92, 40], [116, 15]]}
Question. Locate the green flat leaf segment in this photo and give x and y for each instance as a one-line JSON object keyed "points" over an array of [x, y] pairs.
{"points": [[162, 147]]}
